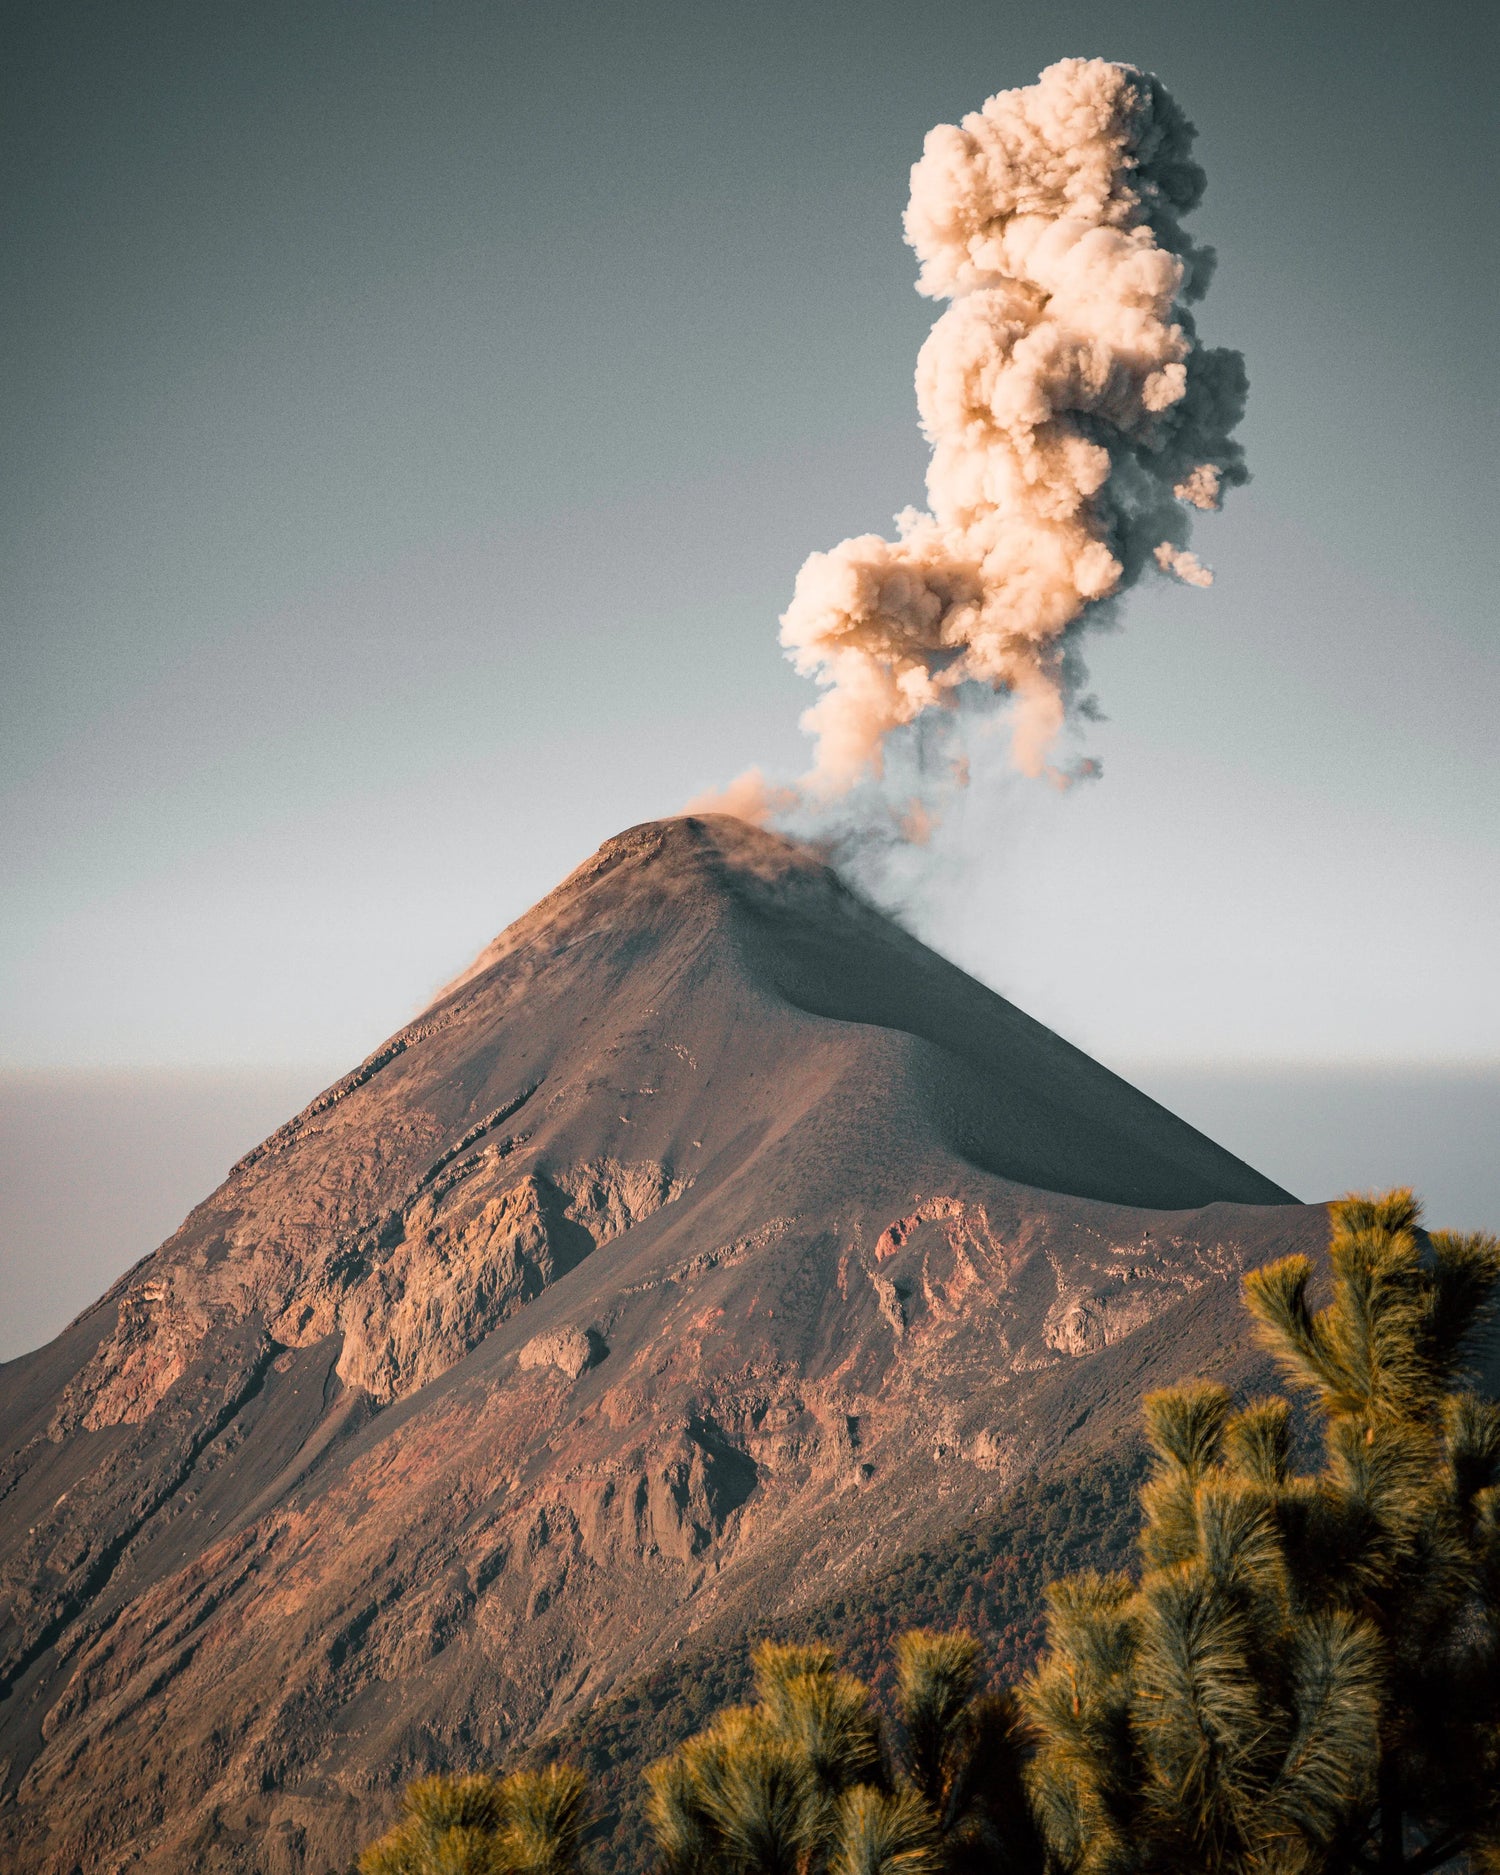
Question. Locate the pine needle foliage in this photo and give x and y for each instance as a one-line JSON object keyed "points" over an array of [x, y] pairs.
{"points": [[531, 1823], [1306, 1675], [987, 1578], [806, 1782]]}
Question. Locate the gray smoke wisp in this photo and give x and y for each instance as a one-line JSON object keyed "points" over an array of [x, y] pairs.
{"points": [[1076, 423]]}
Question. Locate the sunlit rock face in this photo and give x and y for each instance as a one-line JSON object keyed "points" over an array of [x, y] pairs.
{"points": [[707, 1244]]}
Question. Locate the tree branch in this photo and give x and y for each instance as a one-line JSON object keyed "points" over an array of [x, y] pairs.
{"points": [[1433, 1855]]}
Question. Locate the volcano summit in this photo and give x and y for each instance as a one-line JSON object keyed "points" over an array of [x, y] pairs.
{"points": [[708, 1244]]}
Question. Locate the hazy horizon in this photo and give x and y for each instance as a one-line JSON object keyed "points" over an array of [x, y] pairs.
{"points": [[98, 1167]]}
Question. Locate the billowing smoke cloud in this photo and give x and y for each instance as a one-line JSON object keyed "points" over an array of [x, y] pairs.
{"points": [[1075, 421]]}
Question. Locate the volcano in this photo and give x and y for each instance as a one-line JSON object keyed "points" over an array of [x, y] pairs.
{"points": [[708, 1244]]}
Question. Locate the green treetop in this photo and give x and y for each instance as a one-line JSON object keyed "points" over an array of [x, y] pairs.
{"points": [[1307, 1675], [804, 1783]]}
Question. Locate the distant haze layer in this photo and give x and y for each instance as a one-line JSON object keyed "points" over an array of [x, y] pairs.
{"points": [[97, 1169]]}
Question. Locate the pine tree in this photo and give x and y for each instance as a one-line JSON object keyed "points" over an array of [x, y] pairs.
{"points": [[1402, 1528], [1307, 1674], [531, 1823], [804, 1782]]}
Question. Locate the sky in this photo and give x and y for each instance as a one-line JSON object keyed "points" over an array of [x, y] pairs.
{"points": [[416, 417]]}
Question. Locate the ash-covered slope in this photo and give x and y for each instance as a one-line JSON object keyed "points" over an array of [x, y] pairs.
{"points": [[709, 1242]]}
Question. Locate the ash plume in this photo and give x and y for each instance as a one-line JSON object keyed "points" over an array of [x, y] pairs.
{"points": [[1075, 423]]}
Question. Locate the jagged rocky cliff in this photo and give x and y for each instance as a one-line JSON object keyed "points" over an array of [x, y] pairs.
{"points": [[708, 1243]]}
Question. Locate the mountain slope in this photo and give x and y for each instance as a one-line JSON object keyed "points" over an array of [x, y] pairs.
{"points": [[708, 1244], [988, 1576]]}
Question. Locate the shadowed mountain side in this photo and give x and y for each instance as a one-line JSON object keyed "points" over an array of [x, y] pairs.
{"points": [[708, 1245], [1016, 1098]]}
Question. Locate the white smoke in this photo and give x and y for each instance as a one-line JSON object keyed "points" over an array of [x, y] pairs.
{"points": [[1073, 416]]}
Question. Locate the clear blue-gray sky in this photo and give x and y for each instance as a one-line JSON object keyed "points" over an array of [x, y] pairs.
{"points": [[416, 416]]}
